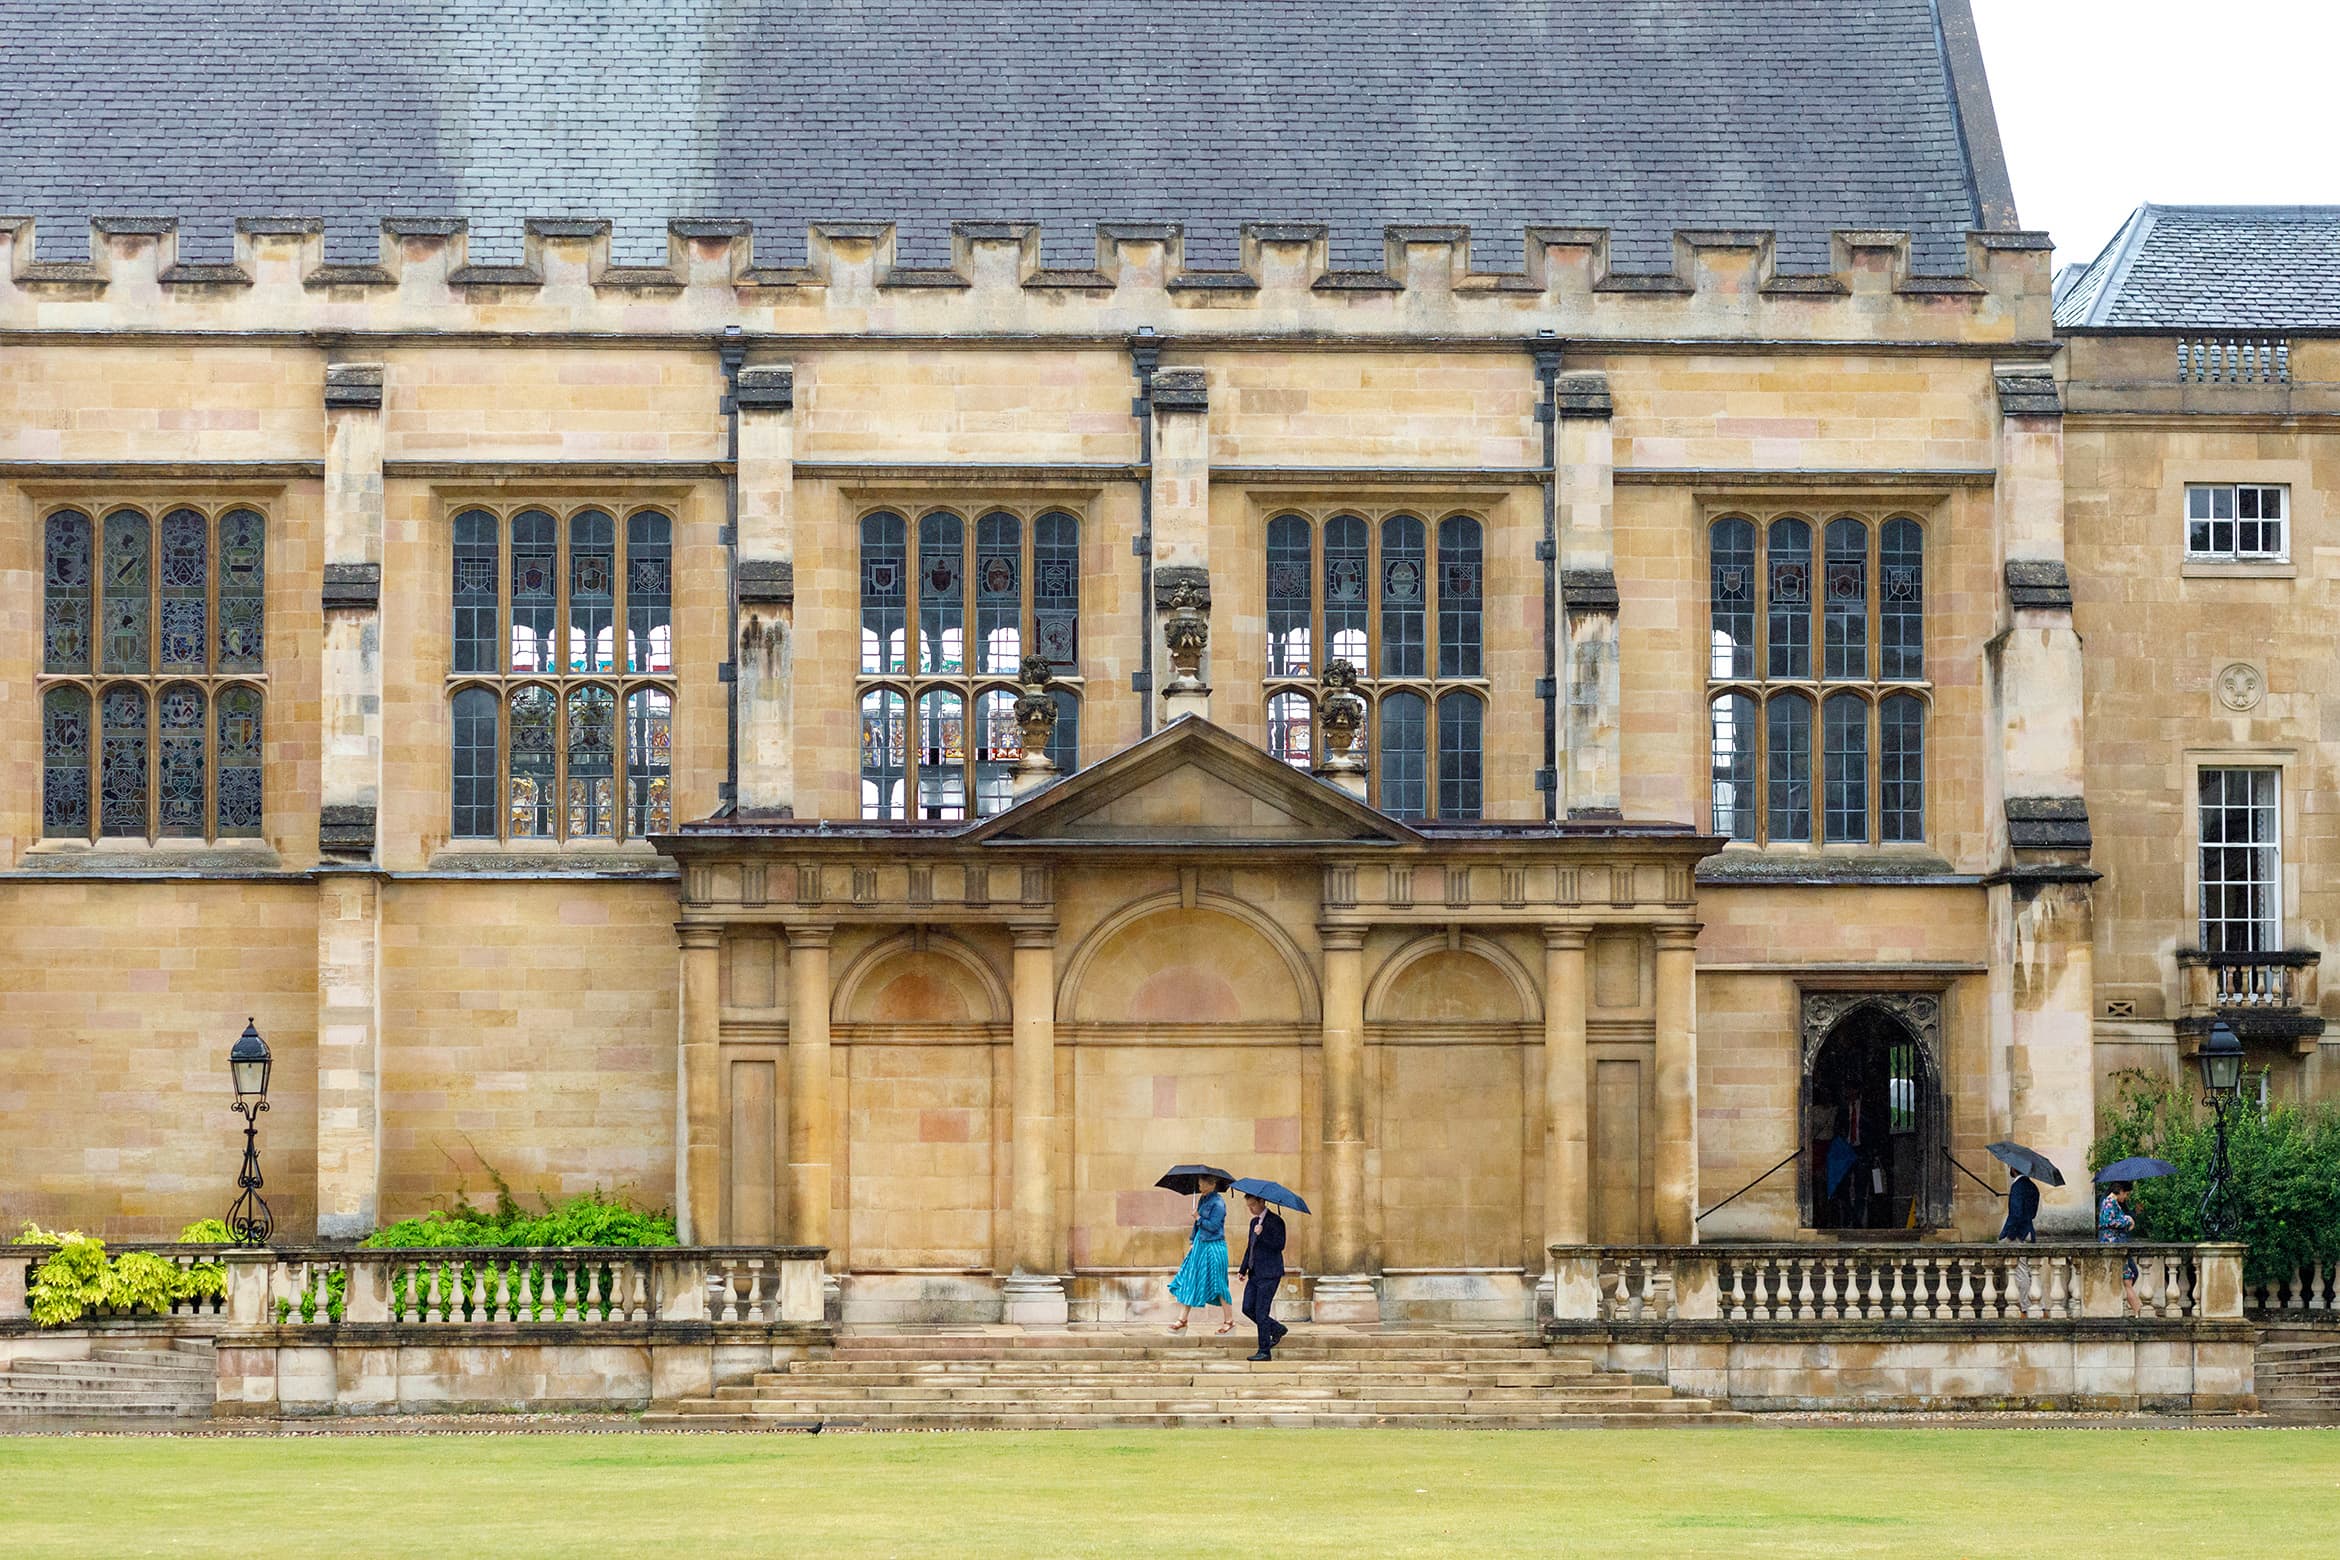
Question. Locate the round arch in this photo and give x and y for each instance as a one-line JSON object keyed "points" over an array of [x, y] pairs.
{"points": [[860, 978], [1384, 985], [1073, 983]]}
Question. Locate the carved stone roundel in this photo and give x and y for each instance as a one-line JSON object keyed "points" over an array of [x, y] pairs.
{"points": [[2241, 686]]}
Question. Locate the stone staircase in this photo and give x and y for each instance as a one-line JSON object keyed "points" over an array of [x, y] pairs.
{"points": [[2299, 1377], [1107, 1378], [173, 1380]]}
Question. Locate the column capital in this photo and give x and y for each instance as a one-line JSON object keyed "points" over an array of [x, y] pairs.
{"points": [[1563, 937], [1341, 939], [1678, 938], [817, 936], [697, 934], [1032, 934]]}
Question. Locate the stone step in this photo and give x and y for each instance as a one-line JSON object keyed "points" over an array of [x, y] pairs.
{"points": [[98, 1413], [1243, 1370], [883, 1396], [158, 1370], [1229, 1357], [1300, 1340], [200, 1357], [96, 1397], [1299, 1419]]}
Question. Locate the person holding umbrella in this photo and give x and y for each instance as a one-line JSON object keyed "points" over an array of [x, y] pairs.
{"points": [[2115, 1224], [1202, 1278], [1263, 1258]]}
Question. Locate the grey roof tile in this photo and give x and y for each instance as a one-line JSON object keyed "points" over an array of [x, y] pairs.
{"points": [[2248, 268], [1640, 115]]}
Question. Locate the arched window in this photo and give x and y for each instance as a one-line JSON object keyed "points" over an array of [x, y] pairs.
{"points": [[144, 618], [989, 594], [568, 734], [239, 785], [1858, 779], [1401, 600]]}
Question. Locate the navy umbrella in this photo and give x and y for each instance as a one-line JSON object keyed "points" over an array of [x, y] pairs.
{"points": [[2026, 1161], [2140, 1169], [1186, 1180], [1275, 1192]]}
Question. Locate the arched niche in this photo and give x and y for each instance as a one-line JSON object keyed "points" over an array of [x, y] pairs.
{"points": [[1162, 961], [907, 979], [1442, 980]]}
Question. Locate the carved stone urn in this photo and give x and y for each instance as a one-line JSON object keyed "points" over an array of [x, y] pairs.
{"points": [[1035, 713], [1343, 713], [1187, 633]]}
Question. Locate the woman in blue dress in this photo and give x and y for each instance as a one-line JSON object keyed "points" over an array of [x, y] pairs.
{"points": [[1202, 1277]]}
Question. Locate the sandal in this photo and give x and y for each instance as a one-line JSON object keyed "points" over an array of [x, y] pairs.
{"points": [[1181, 1327], [1230, 1327]]}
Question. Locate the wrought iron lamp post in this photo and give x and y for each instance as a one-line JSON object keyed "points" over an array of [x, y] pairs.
{"points": [[2221, 1059], [249, 1220]]}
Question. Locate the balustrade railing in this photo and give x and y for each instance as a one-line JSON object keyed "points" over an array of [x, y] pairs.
{"points": [[2311, 1293], [19, 1264], [473, 1287], [2234, 360], [1901, 1283], [2283, 981]]}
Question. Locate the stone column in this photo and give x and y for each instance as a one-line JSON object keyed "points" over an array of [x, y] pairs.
{"points": [[1567, 1124], [1344, 1291], [349, 1029], [1181, 497], [1034, 1293], [767, 589], [1588, 765], [1677, 1085], [698, 1117], [2042, 1002], [809, 1126]]}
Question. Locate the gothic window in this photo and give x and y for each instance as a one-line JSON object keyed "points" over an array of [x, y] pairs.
{"points": [[559, 731], [151, 657], [1402, 601], [981, 594], [1816, 688]]}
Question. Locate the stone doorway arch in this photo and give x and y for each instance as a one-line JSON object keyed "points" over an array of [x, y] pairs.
{"points": [[1875, 1118]]}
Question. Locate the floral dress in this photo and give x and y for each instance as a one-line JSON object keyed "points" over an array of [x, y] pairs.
{"points": [[2113, 1226], [1202, 1277]]}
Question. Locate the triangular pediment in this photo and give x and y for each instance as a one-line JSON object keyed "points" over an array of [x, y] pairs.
{"points": [[1194, 782]]}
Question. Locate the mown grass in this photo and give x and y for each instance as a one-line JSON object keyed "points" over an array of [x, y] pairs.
{"points": [[1754, 1491]]}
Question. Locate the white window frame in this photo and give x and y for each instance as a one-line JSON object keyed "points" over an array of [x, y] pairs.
{"points": [[2269, 929], [2204, 522]]}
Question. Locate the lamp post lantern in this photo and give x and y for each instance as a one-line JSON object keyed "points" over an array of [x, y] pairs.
{"points": [[249, 1220], [2221, 1061]]}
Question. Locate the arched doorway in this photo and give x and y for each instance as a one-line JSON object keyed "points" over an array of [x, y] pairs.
{"points": [[1876, 1121]]}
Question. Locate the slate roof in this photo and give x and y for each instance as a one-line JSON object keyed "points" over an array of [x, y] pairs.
{"points": [[1639, 115], [2211, 268]]}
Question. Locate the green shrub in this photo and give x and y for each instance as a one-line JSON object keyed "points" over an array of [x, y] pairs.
{"points": [[588, 1220], [2285, 1165], [79, 1277]]}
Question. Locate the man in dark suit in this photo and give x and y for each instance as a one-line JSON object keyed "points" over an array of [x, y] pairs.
{"points": [[1263, 1270]]}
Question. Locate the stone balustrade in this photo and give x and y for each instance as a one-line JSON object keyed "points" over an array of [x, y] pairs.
{"points": [[18, 1263], [2311, 1293], [1951, 1286]]}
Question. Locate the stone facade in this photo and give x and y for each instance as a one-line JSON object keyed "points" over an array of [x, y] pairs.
{"points": [[958, 1054]]}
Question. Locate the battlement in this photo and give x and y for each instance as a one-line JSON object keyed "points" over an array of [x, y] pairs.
{"points": [[1723, 284]]}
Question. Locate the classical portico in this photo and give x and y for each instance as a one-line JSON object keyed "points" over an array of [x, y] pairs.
{"points": [[957, 1054]]}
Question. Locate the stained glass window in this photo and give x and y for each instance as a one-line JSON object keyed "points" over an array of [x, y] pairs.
{"points": [[122, 762], [159, 606], [592, 592], [1733, 749], [1789, 597], [1845, 647], [982, 597], [1403, 602], [1064, 741], [649, 762], [1731, 596], [477, 591], [1461, 717], [535, 763], [127, 582], [242, 587], [477, 750], [536, 573], [1844, 759], [1901, 768], [649, 593], [65, 763], [1405, 588], [1459, 626], [1788, 773], [179, 745], [1901, 602], [592, 728], [239, 778], [186, 585]]}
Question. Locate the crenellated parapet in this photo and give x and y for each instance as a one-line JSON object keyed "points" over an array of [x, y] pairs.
{"points": [[1723, 283]]}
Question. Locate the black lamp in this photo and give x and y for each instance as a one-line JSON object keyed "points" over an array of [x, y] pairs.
{"points": [[2221, 1059], [248, 1220]]}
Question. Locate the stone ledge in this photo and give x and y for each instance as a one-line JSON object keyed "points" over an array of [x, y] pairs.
{"points": [[1169, 576], [1583, 394], [1590, 590], [352, 586], [1181, 390], [353, 386], [2047, 823], [1921, 868], [2038, 582], [346, 828], [2028, 395], [767, 582], [766, 387]]}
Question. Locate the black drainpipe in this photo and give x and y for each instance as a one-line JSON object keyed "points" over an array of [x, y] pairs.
{"points": [[1145, 355], [1546, 348], [733, 349]]}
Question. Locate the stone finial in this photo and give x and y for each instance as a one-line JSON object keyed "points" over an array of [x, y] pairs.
{"points": [[1035, 713], [1342, 711], [1187, 633]]}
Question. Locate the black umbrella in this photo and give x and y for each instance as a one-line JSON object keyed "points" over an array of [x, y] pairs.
{"points": [[2027, 1161], [1186, 1180], [2135, 1170], [1271, 1192]]}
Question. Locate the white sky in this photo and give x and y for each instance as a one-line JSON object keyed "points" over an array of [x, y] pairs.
{"points": [[2105, 104]]}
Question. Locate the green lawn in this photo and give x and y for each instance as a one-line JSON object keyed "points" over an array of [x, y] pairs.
{"points": [[1190, 1494]]}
